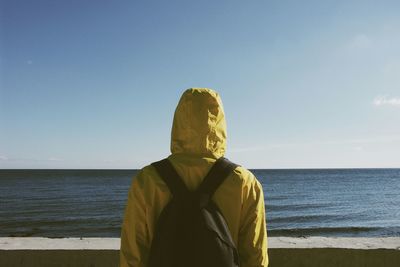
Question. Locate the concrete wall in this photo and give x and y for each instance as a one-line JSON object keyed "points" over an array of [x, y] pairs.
{"points": [[283, 252]]}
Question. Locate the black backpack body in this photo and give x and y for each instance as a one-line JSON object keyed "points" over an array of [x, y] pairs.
{"points": [[191, 230]]}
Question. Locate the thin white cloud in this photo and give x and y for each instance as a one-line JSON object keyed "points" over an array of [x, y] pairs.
{"points": [[246, 149], [360, 41], [386, 101], [356, 144], [5, 158], [54, 159]]}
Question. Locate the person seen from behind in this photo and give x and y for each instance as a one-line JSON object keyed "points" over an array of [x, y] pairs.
{"points": [[195, 207]]}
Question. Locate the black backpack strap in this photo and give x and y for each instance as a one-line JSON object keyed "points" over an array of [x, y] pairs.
{"points": [[169, 175], [214, 178]]}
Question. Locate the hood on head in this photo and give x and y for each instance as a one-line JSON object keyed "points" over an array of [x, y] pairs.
{"points": [[199, 126]]}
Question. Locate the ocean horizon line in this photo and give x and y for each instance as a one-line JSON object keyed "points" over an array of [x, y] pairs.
{"points": [[136, 169]]}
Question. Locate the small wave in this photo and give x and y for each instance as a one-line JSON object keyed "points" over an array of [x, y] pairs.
{"points": [[294, 207], [100, 231], [321, 231], [303, 218], [269, 198]]}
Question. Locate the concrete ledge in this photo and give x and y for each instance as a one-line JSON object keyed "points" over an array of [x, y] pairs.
{"points": [[44, 243], [283, 252], [363, 243]]}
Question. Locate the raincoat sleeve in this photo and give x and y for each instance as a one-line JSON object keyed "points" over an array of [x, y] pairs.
{"points": [[252, 242], [134, 239]]}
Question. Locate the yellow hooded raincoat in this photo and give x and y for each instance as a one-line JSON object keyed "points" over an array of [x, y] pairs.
{"points": [[198, 138]]}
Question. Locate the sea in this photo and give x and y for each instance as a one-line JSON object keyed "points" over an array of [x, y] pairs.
{"points": [[298, 202]]}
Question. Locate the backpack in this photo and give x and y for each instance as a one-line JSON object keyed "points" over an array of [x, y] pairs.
{"points": [[191, 230]]}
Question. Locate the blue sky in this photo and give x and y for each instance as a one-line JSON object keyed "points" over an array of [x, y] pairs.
{"points": [[94, 84]]}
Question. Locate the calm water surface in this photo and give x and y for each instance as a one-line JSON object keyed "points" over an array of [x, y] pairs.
{"points": [[90, 203]]}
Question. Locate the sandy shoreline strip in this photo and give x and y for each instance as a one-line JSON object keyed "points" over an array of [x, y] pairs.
{"points": [[96, 243]]}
